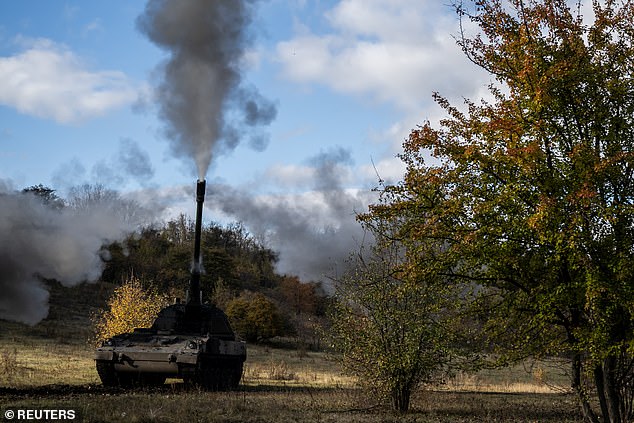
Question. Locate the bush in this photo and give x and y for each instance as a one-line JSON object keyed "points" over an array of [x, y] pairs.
{"points": [[255, 317], [130, 306], [9, 365], [392, 328]]}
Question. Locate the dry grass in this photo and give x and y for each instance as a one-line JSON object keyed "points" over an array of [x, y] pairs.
{"points": [[50, 366], [37, 362], [41, 362], [531, 377], [28, 362], [279, 386], [266, 404], [284, 367]]}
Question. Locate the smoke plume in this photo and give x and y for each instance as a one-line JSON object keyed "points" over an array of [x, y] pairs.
{"points": [[314, 232], [40, 241], [129, 163], [202, 101]]}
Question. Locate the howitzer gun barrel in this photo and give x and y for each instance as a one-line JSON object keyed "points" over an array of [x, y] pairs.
{"points": [[194, 282]]}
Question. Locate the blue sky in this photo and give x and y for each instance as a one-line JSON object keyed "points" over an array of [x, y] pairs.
{"points": [[336, 82], [350, 79]]}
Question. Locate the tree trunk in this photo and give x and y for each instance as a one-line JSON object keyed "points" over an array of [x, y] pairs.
{"points": [[400, 398], [611, 390], [588, 414], [607, 392], [603, 402]]}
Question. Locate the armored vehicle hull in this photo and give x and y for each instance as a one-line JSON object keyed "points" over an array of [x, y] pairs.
{"points": [[199, 349]]}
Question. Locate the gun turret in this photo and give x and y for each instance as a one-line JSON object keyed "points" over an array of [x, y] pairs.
{"points": [[194, 282]]}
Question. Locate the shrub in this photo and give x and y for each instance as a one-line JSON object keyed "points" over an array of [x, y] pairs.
{"points": [[255, 317], [9, 366], [130, 306]]}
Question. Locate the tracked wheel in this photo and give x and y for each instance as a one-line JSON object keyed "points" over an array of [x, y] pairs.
{"points": [[219, 375], [234, 375], [107, 373], [110, 377]]}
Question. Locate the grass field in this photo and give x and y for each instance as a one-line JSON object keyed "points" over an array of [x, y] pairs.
{"points": [[278, 385], [50, 366]]}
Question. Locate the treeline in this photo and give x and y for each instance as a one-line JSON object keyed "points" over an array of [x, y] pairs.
{"points": [[239, 276], [239, 270]]}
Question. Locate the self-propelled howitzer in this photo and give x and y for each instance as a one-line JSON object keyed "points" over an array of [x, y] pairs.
{"points": [[191, 341]]}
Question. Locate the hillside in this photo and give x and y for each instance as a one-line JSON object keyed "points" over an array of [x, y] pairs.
{"points": [[68, 319]]}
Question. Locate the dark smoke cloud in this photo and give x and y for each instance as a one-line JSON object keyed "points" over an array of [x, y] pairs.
{"points": [[330, 166], [129, 162], [201, 98], [38, 242], [134, 161], [315, 232], [257, 109]]}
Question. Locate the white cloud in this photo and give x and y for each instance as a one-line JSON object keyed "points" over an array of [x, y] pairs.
{"points": [[403, 20], [48, 80], [290, 176], [388, 170], [394, 51]]}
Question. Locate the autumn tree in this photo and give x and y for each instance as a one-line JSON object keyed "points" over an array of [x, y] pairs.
{"points": [[301, 297], [255, 317], [532, 192], [305, 304], [130, 306]]}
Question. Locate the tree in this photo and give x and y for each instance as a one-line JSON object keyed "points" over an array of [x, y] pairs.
{"points": [[130, 306], [300, 297], [532, 193], [163, 253], [392, 326], [87, 198], [46, 194], [255, 317], [304, 302]]}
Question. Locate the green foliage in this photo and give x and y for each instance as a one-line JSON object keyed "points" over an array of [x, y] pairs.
{"points": [[532, 195], [46, 194], [393, 327], [255, 317], [233, 262], [164, 255]]}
